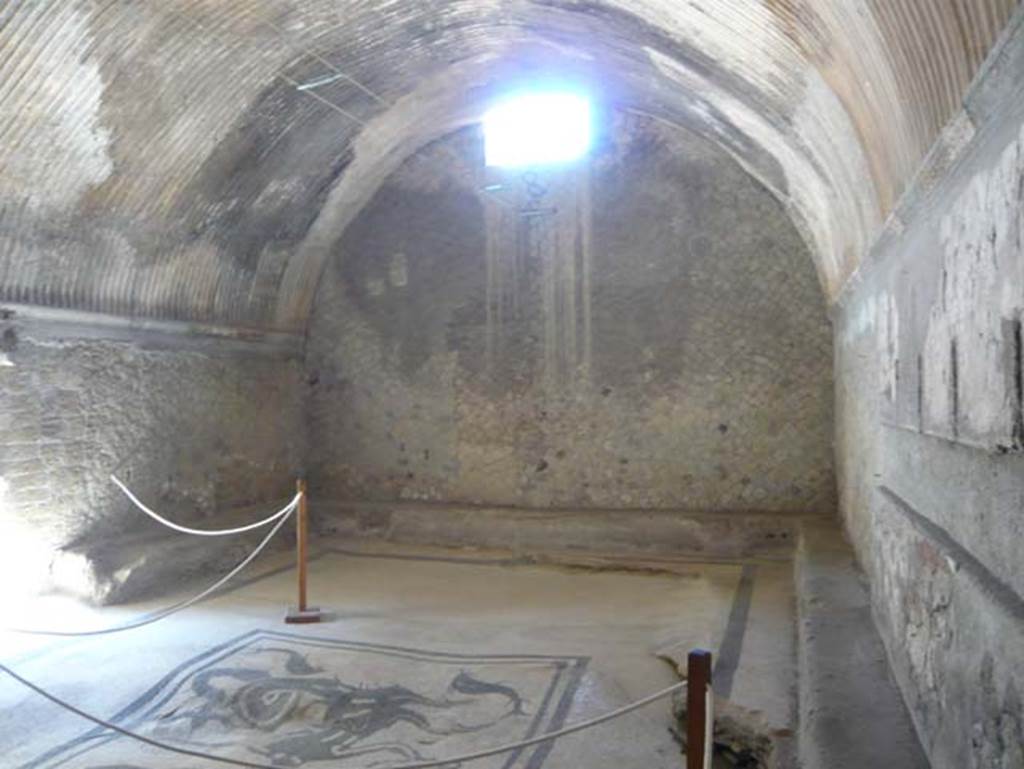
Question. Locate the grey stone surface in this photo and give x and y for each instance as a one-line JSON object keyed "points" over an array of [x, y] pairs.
{"points": [[929, 432], [851, 712], [642, 331], [959, 648], [194, 433], [667, 532]]}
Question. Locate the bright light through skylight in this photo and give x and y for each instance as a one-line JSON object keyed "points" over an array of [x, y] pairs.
{"points": [[536, 129]]}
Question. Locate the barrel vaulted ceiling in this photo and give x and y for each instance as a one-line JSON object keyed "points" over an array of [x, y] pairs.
{"points": [[198, 160]]}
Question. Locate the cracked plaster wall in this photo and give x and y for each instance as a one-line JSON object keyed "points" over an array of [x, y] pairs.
{"points": [[930, 454]]}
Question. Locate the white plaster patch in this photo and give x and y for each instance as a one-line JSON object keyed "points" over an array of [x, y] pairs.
{"points": [[733, 34], [67, 149], [850, 213], [398, 271], [888, 345], [969, 393], [811, 198], [863, 321]]}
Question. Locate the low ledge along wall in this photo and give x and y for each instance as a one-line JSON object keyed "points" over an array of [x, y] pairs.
{"points": [[639, 532]]}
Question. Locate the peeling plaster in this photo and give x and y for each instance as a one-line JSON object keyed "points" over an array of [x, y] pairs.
{"points": [[68, 150]]}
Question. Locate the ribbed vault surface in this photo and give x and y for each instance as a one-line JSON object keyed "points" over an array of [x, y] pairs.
{"points": [[198, 159]]}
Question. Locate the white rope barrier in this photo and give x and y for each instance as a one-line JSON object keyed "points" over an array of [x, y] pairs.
{"points": [[452, 761], [281, 517], [579, 726], [175, 608], [203, 532]]}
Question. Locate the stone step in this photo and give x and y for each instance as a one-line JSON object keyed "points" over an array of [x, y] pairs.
{"points": [[668, 532], [852, 715]]}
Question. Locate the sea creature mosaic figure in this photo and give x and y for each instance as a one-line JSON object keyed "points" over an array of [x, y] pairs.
{"points": [[306, 715]]}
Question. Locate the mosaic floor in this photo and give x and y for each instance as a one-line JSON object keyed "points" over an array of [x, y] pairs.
{"points": [[425, 655]]}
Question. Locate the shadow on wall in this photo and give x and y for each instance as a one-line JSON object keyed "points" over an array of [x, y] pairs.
{"points": [[642, 329], [194, 431]]}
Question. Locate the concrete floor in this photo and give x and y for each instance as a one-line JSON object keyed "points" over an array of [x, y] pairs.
{"points": [[428, 653]]}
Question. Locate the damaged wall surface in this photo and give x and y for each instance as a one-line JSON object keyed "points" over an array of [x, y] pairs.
{"points": [[642, 330], [929, 402], [193, 431]]}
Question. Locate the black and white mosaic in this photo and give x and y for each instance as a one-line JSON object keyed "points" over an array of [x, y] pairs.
{"points": [[293, 701]]}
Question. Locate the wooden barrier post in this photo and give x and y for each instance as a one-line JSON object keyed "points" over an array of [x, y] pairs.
{"points": [[698, 719], [302, 613]]}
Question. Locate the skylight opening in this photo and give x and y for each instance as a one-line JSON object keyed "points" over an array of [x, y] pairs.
{"points": [[536, 129]]}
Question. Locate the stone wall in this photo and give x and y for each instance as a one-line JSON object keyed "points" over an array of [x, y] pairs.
{"points": [[929, 402], [195, 430], [643, 330]]}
